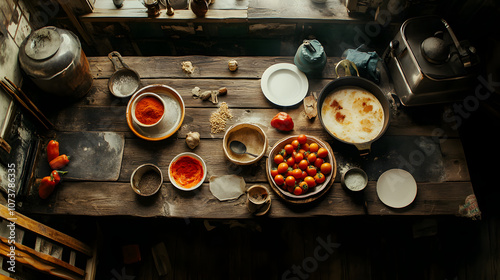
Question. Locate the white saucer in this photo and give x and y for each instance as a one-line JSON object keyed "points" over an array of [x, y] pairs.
{"points": [[396, 188], [284, 84]]}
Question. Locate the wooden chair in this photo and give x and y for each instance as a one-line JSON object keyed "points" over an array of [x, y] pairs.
{"points": [[42, 249]]}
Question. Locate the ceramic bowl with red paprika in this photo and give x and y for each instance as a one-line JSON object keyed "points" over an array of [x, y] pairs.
{"points": [[187, 171], [148, 110]]}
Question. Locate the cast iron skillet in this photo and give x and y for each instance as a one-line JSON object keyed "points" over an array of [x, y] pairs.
{"points": [[354, 81]]}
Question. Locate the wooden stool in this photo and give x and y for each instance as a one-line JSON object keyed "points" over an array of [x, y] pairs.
{"points": [[44, 251]]}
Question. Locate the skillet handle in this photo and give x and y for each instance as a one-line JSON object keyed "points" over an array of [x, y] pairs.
{"points": [[111, 56], [346, 64], [363, 148]]}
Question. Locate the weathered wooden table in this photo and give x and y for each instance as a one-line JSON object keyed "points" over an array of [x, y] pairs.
{"points": [[421, 140]]}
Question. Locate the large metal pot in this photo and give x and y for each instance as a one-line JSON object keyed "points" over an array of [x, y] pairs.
{"points": [[355, 81], [54, 60]]}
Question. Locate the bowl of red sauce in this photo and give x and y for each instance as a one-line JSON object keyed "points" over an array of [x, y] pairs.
{"points": [[148, 110], [187, 171]]}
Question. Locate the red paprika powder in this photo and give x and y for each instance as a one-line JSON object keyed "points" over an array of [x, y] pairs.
{"points": [[149, 110], [187, 171]]}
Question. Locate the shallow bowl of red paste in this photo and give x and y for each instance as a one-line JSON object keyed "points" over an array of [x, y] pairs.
{"points": [[148, 110], [187, 171]]}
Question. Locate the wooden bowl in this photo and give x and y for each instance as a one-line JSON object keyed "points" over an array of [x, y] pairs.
{"points": [[254, 138]]}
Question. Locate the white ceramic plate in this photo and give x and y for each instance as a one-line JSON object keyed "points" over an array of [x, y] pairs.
{"points": [[396, 188], [284, 84]]}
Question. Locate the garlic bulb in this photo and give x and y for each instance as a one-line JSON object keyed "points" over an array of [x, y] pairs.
{"points": [[232, 65], [193, 140]]}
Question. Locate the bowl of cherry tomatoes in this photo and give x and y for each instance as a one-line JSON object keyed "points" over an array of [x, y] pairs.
{"points": [[301, 166]]}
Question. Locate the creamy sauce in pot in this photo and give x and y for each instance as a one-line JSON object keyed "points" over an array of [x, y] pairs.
{"points": [[353, 115]]}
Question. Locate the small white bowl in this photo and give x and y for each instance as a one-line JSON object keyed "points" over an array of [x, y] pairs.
{"points": [[195, 156], [354, 179], [138, 99]]}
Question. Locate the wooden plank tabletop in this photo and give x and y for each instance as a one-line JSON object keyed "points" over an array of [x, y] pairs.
{"points": [[439, 193]]}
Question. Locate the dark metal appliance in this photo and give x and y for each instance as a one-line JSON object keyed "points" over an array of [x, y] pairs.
{"points": [[428, 64]]}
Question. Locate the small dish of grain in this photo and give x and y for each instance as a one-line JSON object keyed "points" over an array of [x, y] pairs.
{"points": [[146, 179]]}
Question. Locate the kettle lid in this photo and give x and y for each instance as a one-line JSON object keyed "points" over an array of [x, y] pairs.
{"points": [[435, 50], [312, 50], [43, 43]]}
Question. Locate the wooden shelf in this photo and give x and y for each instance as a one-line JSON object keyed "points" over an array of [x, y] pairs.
{"points": [[229, 10]]}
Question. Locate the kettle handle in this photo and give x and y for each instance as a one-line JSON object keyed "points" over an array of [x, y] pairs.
{"points": [[309, 46], [346, 64], [111, 56]]}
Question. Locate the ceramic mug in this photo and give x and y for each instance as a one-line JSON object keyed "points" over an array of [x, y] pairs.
{"points": [[257, 198]]}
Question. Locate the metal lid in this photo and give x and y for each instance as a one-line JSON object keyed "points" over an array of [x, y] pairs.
{"points": [[435, 50], [43, 43]]}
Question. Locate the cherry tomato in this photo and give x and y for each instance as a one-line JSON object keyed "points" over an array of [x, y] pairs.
{"points": [[274, 172], [319, 178], [289, 188], [298, 157], [279, 179], [311, 158], [303, 164], [290, 161], [322, 153], [313, 147], [302, 139], [304, 186], [326, 168], [289, 172], [278, 159], [311, 170], [290, 181], [305, 146], [297, 190], [318, 162], [304, 175], [297, 173], [289, 149], [302, 151], [283, 153], [282, 167], [310, 181], [296, 144]]}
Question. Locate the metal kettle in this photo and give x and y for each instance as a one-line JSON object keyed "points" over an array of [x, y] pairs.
{"points": [[310, 57], [54, 60]]}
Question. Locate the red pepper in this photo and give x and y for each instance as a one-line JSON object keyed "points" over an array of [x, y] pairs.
{"points": [[52, 150], [56, 176], [59, 162], [282, 121], [46, 187]]}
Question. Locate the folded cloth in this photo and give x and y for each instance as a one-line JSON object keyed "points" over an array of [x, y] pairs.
{"points": [[366, 63]]}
